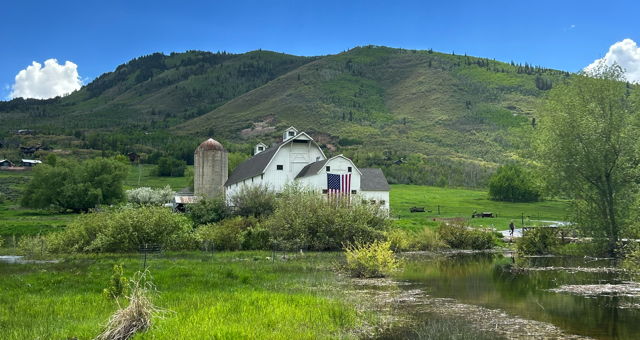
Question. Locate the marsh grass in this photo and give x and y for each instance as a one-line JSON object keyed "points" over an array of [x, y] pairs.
{"points": [[138, 315], [229, 296]]}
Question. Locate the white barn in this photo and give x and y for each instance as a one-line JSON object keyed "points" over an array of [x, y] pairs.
{"points": [[299, 158]]}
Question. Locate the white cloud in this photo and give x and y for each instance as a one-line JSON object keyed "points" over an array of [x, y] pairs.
{"points": [[627, 54], [46, 82], [570, 28]]}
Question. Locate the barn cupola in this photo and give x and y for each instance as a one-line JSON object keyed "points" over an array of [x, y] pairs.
{"points": [[289, 133], [259, 148]]}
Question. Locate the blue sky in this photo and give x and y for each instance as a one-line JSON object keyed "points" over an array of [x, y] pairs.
{"points": [[98, 36]]}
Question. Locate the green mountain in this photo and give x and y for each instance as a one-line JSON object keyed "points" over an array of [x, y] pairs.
{"points": [[451, 118]]}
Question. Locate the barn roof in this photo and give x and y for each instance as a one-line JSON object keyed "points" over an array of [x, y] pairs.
{"points": [[253, 166], [257, 164], [312, 169], [373, 180]]}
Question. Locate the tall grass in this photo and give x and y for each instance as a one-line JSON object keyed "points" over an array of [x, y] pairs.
{"points": [[236, 295]]}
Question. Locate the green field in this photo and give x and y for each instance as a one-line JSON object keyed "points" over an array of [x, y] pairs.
{"points": [[148, 180], [234, 295], [457, 203]]}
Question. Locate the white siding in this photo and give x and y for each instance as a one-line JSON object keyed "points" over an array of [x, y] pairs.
{"points": [[378, 196]]}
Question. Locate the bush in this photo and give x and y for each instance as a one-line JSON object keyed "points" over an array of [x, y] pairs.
{"points": [[257, 201], [458, 234], [370, 260], [118, 284], [146, 195], [33, 247], [75, 186], [226, 235], [425, 240], [538, 241], [124, 230], [511, 183], [170, 167], [206, 211], [3, 197], [308, 218]]}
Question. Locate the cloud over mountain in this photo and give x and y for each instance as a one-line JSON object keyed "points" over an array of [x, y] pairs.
{"points": [[46, 82], [627, 54]]}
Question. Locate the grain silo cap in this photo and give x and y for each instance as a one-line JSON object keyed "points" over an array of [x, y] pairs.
{"points": [[210, 144]]}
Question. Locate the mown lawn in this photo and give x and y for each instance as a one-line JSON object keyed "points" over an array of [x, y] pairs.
{"points": [[238, 295], [461, 203]]}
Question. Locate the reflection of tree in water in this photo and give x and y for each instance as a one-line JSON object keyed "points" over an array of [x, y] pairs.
{"points": [[574, 313], [485, 279]]}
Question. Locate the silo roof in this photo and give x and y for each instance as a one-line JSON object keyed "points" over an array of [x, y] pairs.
{"points": [[210, 144]]}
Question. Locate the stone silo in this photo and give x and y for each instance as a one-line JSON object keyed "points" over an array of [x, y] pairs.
{"points": [[210, 169]]}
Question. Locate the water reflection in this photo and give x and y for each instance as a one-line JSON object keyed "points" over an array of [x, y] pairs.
{"points": [[486, 280]]}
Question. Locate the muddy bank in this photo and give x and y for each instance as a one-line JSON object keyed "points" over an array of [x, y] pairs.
{"points": [[401, 305], [631, 289]]}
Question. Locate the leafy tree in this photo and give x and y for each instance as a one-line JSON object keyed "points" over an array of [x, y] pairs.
{"points": [[257, 201], [75, 186], [171, 167], [511, 183], [52, 159], [211, 210], [587, 142]]}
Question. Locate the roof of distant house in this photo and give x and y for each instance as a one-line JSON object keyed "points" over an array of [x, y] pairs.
{"points": [[34, 161]]}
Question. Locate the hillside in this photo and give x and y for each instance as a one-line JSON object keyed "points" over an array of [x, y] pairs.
{"points": [[451, 118]]}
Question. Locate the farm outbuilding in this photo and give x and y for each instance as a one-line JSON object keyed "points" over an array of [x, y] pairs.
{"points": [[5, 163], [29, 162]]}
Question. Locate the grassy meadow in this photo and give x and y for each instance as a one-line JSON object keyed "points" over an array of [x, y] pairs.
{"points": [[234, 295], [458, 203]]}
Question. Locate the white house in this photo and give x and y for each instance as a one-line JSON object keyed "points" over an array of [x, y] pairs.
{"points": [[299, 158]]}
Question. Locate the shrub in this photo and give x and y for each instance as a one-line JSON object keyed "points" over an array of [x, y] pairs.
{"points": [[170, 167], [257, 201], [75, 186], [426, 239], [205, 211], [256, 238], [33, 247], [118, 284], [458, 234], [512, 183], [124, 230], [370, 260], [146, 195], [538, 241], [226, 235], [307, 218]]}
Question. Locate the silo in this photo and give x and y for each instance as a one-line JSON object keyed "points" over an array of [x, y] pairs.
{"points": [[210, 169]]}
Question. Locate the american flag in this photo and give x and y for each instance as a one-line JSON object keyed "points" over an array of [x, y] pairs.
{"points": [[338, 184]]}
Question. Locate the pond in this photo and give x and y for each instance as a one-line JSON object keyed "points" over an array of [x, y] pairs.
{"points": [[486, 280]]}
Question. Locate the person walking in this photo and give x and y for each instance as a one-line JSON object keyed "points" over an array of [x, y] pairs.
{"points": [[512, 227]]}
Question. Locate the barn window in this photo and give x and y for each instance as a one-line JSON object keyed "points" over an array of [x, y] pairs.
{"points": [[328, 168], [354, 191], [251, 179], [383, 202], [325, 191], [349, 169], [260, 148], [262, 176], [280, 167], [291, 133], [373, 202]]}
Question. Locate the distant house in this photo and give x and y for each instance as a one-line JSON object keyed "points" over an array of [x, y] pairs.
{"points": [[28, 150], [24, 132], [180, 203], [30, 162], [134, 157], [5, 163]]}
